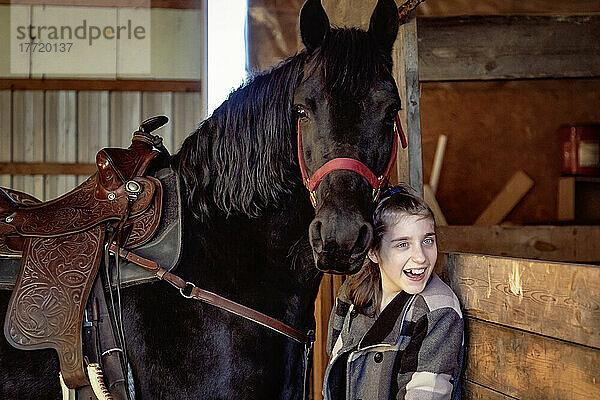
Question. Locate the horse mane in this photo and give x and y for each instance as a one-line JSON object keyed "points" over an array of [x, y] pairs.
{"points": [[242, 159]]}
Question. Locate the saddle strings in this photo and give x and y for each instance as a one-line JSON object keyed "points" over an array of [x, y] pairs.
{"points": [[116, 312]]}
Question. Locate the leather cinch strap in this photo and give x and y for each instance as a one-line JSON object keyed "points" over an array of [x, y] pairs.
{"points": [[191, 291]]}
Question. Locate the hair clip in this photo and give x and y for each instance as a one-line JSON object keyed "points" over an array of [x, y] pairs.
{"points": [[396, 189]]}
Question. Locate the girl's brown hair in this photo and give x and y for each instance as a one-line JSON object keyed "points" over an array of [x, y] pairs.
{"points": [[364, 288]]}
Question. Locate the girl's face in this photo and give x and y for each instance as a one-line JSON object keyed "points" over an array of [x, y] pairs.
{"points": [[407, 255]]}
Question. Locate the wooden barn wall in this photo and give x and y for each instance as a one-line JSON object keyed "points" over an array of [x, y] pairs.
{"points": [[532, 328], [71, 126], [495, 129]]}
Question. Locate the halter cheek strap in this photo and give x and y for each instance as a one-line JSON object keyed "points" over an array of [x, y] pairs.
{"points": [[377, 183]]}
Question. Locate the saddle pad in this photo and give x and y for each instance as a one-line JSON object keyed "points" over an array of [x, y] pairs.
{"points": [[46, 308], [166, 244]]}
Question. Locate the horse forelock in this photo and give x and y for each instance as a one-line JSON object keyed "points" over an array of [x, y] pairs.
{"points": [[350, 62], [242, 159]]}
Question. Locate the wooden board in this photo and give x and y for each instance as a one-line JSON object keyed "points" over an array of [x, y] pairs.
{"points": [[508, 47], [514, 190], [496, 7], [28, 138], [60, 138], [160, 104], [406, 73], [429, 197], [93, 126], [5, 133], [125, 117], [323, 306], [552, 243], [474, 391], [529, 366], [189, 111], [553, 299]]}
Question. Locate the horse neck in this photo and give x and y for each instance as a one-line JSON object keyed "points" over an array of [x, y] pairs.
{"points": [[263, 262]]}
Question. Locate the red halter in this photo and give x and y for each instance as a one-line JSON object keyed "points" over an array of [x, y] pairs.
{"points": [[377, 183]]}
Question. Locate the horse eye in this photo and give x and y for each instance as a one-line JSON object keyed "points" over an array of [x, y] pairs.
{"points": [[301, 112]]}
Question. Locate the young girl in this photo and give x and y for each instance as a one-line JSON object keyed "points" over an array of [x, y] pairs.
{"points": [[396, 330]]}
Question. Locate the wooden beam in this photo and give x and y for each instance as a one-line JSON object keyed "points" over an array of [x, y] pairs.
{"points": [[429, 197], [528, 366], [551, 243], [552, 299], [134, 85], [508, 47], [514, 190], [43, 168], [323, 304], [406, 73], [173, 4], [474, 391]]}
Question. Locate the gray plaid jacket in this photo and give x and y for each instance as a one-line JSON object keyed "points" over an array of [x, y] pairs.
{"points": [[412, 350]]}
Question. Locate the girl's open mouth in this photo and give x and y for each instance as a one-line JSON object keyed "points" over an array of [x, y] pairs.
{"points": [[415, 274]]}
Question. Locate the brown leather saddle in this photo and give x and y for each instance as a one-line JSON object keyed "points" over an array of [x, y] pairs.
{"points": [[61, 243]]}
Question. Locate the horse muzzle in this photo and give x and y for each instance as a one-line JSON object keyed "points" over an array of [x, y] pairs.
{"points": [[340, 241]]}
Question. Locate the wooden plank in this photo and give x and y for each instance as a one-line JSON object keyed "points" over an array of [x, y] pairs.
{"points": [[5, 133], [323, 305], [188, 110], [28, 138], [553, 299], [514, 190], [117, 85], [438, 159], [405, 57], [429, 197], [93, 127], [474, 391], [125, 117], [508, 47], [444, 8], [44, 168], [552, 243], [160, 104], [529, 366], [60, 138], [566, 199], [177, 4]]}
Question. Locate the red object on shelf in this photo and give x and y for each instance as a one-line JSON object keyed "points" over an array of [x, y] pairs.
{"points": [[580, 145]]}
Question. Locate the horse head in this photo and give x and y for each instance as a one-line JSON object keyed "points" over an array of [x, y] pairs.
{"points": [[346, 102]]}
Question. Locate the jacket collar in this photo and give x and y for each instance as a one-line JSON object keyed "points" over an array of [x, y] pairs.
{"points": [[385, 329]]}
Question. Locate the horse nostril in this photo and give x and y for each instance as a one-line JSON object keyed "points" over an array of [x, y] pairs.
{"points": [[314, 233], [365, 236]]}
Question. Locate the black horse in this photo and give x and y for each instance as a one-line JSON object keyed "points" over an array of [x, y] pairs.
{"points": [[251, 234]]}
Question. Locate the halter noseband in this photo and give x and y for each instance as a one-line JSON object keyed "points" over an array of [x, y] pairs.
{"points": [[377, 183]]}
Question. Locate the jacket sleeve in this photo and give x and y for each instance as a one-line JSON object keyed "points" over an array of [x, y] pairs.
{"points": [[430, 365]]}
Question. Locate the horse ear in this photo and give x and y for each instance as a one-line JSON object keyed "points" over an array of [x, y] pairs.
{"points": [[314, 24], [384, 24]]}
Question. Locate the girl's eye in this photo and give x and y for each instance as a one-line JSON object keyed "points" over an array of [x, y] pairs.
{"points": [[402, 244], [428, 240]]}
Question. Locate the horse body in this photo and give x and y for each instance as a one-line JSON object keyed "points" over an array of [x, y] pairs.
{"points": [[251, 234]]}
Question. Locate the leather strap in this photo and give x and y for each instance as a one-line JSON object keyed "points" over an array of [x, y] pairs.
{"points": [[191, 291]]}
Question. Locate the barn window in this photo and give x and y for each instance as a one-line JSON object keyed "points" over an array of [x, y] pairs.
{"points": [[226, 49]]}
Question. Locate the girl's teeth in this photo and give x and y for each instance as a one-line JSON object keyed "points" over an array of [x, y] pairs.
{"points": [[415, 271]]}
